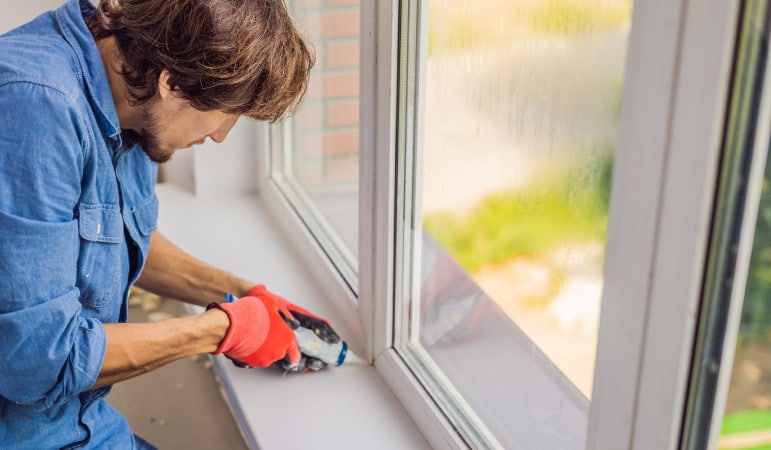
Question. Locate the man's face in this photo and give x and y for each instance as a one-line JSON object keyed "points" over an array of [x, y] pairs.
{"points": [[172, 123]]}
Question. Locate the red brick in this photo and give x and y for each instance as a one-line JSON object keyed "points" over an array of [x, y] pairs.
{"points": [[309, 117], [308, 145], [338, 85], [342, 169], [309, 172], [342, 55], [306, 4], [339, 24], [343, 2], [315, 86], [341, 143], [341, 114], [307, 23]]}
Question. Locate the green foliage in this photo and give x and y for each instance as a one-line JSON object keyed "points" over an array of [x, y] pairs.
{"points": [[746, 421], [756, 313], [461, 34], [569, 205], [576, 17], [456, 25]]}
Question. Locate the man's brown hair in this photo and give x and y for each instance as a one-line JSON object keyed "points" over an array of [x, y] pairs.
{"points": [[242, 57]]}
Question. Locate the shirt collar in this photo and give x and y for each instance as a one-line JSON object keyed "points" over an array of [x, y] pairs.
{"points": [[73, 25]]}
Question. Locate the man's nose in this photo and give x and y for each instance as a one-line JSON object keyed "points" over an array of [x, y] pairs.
{"points": [[221, 133]]}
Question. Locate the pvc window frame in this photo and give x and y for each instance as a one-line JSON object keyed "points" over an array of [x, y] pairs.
{"points": [[672, 121], [673, 112]]}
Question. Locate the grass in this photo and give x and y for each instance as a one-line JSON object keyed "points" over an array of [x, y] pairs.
{"points": [[746, 421], [569, 206]]}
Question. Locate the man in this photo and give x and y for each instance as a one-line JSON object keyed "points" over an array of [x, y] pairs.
{"points": [[90, 100]]}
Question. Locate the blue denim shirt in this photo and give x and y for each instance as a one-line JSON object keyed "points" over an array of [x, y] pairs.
{"points": [[77, 209]]}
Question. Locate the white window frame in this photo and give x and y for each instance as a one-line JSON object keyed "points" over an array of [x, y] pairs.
{"points": [[674, 104], [280, 137], [677, 72], [738, 200]]}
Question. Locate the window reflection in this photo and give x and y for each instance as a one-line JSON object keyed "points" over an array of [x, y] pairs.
{"points": [[521, 114], [322, 148]]}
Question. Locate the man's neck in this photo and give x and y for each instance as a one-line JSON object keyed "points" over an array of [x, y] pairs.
{"points": [[127, 115]]}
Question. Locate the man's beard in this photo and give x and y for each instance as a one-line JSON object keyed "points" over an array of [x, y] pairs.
{"points": [[148, 139]]}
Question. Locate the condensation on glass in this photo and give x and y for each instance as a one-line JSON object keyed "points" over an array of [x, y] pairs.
{"points": [[522, 103]]}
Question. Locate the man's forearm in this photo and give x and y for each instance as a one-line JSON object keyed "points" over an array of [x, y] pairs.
{"points": [[170, 272], [137, 348]]}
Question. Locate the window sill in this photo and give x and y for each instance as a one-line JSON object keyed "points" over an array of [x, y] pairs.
{"points": [[343, 407]]}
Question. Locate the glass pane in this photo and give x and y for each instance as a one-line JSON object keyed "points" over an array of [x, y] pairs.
{"points": [[747, 420], [522, 103], [318, 162], [747, 416]]}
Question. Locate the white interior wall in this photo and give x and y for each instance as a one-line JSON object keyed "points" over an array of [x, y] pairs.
{"points": [[210, 169], [16, 13]]}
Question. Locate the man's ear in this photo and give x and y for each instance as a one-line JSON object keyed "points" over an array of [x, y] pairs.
{"points": [[164, 88]]}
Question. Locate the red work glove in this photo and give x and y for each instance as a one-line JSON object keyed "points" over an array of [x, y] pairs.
{"points": [[301, 316], [258, 334]]}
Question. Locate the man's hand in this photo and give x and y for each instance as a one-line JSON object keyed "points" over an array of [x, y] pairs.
{"points": [[258, 334], [300, 317], [303, 317]]}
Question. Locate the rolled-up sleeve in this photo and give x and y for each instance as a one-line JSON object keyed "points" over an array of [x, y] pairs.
{"points": [[50, 350]]}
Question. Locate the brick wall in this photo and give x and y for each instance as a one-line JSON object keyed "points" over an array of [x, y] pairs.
{"points": [[326, 129]]}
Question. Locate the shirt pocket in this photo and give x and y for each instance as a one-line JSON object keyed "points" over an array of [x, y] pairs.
{"points": [[146, 215], [99, 263]]}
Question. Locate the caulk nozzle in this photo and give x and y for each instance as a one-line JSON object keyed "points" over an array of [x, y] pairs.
{"points": [[353, 358]]}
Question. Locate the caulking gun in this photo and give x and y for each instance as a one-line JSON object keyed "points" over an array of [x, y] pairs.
{"points": [[314, 347]]}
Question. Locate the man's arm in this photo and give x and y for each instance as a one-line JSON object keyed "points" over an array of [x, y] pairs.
{"points": [[170, 272], [250, 330], [137, 348]]}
